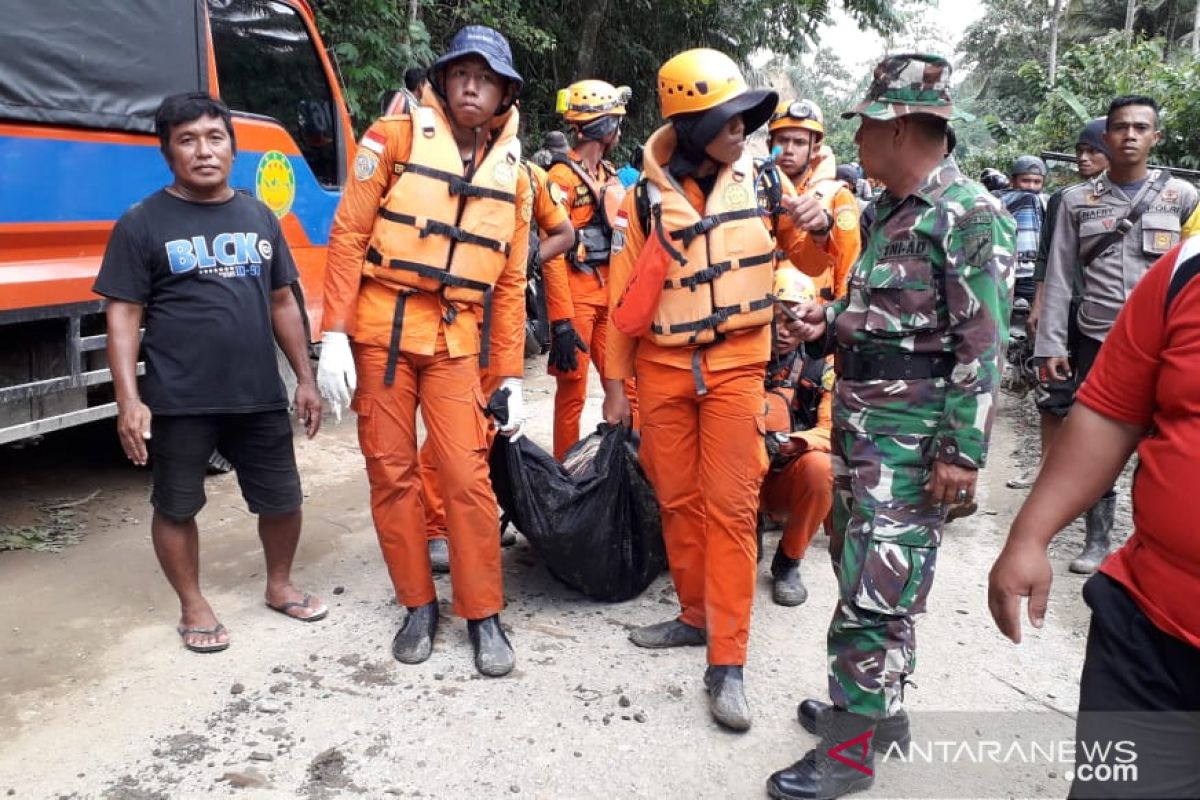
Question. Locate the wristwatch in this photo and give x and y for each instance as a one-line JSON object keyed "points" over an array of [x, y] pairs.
{"points": [[828, 224]]}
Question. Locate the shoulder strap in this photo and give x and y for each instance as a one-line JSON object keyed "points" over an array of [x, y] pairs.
{"points": [[641, 204], [560, 158], [1186, 268], [1124, 226]]}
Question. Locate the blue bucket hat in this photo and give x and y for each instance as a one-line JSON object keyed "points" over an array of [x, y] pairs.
{"points": [[482, 41]]}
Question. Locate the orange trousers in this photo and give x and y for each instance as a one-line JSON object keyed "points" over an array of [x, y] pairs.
{"points": [[591, 323], [705, 457], [431, 493], [451, 401], [801, 494]]}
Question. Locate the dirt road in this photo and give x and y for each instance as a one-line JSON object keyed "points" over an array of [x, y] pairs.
{"points": [[98, 698]]}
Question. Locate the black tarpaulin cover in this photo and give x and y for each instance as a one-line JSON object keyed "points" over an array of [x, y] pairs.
{"points": [[101, 63], [594, 519]]}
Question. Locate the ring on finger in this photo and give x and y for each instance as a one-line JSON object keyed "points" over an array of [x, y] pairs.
{"points": [[963, 494]]}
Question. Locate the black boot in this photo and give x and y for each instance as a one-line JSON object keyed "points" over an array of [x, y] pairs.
{"points": [[1098, 525], [821, 776], [672, 633], [414, 640], [727, 697], [493, 653], [788, 588], [814, 717]]}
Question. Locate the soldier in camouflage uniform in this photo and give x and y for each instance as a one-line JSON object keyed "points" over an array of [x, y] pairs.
{"points": [[918, 342]]}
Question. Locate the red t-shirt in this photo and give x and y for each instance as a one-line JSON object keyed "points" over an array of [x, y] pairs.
{"points": [[1148, 373]]}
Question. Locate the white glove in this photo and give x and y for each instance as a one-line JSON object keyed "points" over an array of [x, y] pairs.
{"points": [[336, 377], [516, 408]]}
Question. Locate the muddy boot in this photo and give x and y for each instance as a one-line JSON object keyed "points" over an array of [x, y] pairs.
{"points": [[671, 633], [727, 697], [820, 776], [439, 555], [1098, 523], [788, 588], [815, 715], [493, 653], [414, 640]]}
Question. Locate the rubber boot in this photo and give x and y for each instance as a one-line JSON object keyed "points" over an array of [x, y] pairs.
{"points": [[727, 697], [820, 776], [788, 588], [814, 716], [439, 555], [414, 640], [493, 653], [1098, 524], [672, 633]]}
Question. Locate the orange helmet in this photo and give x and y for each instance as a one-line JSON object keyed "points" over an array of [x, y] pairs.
{"points": [[803, 114], [793, 286], [584, 101]]}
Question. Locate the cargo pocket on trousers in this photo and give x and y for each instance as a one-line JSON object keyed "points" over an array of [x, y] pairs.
{"points": [[895, 579], [363, 405]]}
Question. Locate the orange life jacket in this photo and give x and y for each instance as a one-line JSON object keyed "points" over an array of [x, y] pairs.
{"points": [[821, 180], [721, 276], [440, 230]]}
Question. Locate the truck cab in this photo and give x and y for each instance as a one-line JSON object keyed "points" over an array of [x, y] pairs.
{"points": [[79, 85]]}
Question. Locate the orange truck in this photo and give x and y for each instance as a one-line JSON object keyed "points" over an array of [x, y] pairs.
{"points": [[79, 85]]}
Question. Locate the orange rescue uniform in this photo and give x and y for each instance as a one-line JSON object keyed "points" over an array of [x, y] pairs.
{"points": [[437, 369], [703, 451], [585, 303], [548, 213], [839, 201], [801, 491]]}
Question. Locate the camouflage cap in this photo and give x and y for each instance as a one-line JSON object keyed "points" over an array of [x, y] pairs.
{"points": [[909, 83]]}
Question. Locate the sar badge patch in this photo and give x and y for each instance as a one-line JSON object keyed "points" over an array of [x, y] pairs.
{"points": [[365, 164], [846, 219]]}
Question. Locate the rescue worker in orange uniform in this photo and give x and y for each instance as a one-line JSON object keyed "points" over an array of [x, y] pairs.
{"points": [[426, 274], [798, 488], [556, 236], [592, 192], [797, 128], [700, 356]]}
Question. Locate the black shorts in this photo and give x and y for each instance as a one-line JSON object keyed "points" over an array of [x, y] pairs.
{"points": [[259, 446], [1138, 687]]}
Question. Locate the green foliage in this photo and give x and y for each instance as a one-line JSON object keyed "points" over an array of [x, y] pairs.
{"points": [[375, 41], [1090, 75]]}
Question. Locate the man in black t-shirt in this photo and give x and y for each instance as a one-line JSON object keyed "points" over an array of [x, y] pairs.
{"points": [[207, 271]]}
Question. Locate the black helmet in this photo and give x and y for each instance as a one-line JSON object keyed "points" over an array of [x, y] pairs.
{"points": [[993, 180], [1028, 165]]}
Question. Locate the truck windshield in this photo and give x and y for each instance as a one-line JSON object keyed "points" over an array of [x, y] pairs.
{"points": [[267, 64]]}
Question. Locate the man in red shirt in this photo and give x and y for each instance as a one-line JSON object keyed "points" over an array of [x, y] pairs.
{"points": [[1143, 650]]}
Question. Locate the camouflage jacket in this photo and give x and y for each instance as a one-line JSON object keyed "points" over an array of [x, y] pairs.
{"points": [[935, 276]]}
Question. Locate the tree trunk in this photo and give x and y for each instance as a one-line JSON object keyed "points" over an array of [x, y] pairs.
{"points": [[1055, 18], [589, 35], [1196, 31], [1130, 13]]}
